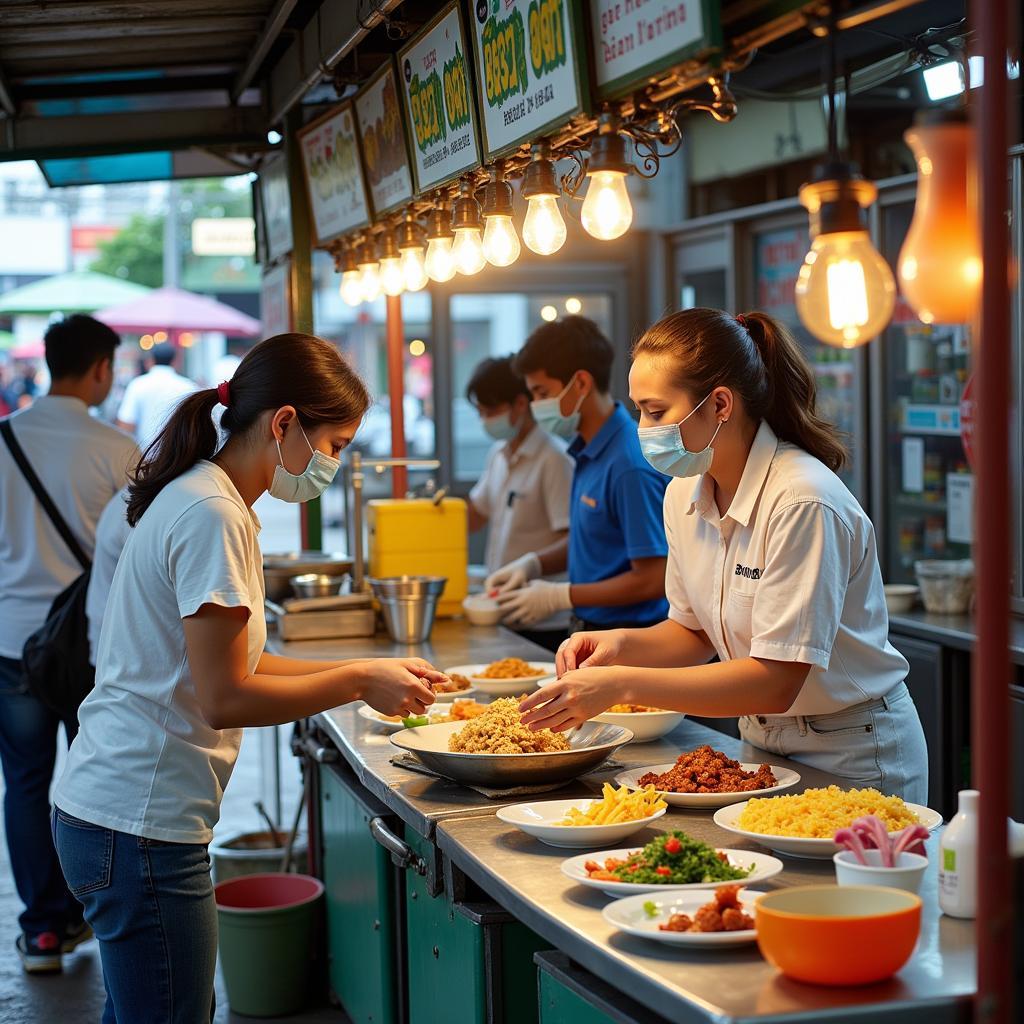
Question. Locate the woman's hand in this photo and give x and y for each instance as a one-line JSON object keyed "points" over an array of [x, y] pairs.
{"points": [[399, 686], [572, 700], [587, 650]]}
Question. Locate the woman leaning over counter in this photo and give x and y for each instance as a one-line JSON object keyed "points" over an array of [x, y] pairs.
{"points": [[181, 669], [772, 566]]}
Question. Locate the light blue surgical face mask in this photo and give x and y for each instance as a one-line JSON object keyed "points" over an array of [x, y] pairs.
{"points": [[500, 427], [663, 447], [310, 483], [548, 414]]}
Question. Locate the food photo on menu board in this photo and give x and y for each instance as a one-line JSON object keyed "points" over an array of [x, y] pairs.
{"points": [[439, 103], [531, 69], [382, 131], [334, 174]]}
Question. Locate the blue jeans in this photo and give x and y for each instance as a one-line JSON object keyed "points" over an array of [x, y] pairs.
{"points": [[28, 750], [152, 908]]}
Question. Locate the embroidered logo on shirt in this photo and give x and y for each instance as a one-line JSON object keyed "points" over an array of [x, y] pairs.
{"points": [[747, 572], [589, 502]]}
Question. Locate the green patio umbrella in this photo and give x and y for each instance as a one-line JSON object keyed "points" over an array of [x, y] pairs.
{"points": [[81, 291], [6, 340]]}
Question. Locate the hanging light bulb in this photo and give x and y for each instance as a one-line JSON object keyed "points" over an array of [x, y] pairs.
{"points": [[440, 263], [501, 243], [467, 249], [940, 262], [351, 288], [392, 281], [607, 211], [369, 271], [413, 258], [543, 228], [845, 291]]}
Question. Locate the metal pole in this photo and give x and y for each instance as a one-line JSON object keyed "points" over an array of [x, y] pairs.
{"points": [[310, 518], [396, 392], [991, 668]]}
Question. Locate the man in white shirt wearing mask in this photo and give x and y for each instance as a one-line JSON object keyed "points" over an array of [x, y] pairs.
{"points": [[82, 463], [523, 494], [150, 399]]}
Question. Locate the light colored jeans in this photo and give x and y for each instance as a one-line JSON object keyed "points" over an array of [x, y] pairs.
{"points": [[879, 743]]}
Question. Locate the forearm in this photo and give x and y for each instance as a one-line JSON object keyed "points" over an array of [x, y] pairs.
{"points": [[277, 665], [554, 559], [634, 585], [265, 699], [746, 686], [666, 645]]}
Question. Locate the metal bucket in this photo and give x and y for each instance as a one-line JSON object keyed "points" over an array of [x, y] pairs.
{"points": [[408, 604]]}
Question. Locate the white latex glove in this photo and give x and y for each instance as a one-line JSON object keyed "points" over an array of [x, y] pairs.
{"points": [[513, 575], [534, 603]]}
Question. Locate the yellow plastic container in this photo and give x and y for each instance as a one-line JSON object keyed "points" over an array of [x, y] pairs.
{"points": [[415, 537]]}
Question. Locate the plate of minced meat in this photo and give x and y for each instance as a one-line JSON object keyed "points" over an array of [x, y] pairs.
{"points": [[706, 777], [688, 918]]}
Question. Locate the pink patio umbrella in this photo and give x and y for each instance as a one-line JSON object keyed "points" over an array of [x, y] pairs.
{"points": [[178, 312], [27, 350]]}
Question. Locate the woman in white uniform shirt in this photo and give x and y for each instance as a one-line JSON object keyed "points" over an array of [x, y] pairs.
{"points": [[181, 670], [772, 566]]}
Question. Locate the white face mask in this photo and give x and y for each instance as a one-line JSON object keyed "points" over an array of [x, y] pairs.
{"points": [[548, 414], [663, 447], [310, 483]]}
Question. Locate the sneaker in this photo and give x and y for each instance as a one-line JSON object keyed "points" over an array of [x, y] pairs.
{"points": [[74, 936], [40, 954]]}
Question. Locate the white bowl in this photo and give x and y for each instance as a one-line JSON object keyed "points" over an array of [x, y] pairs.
{"points": [[631, 916], [644, 725], [798, 846], [482, 610], [907, 874], [787, 780], [540, 821], [900, 597], [503, 687]]}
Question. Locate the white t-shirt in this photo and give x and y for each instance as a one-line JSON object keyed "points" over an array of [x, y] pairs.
{"points": [[146, 761], [150, 399], [789, 573], [82, 462], [111, 535]]}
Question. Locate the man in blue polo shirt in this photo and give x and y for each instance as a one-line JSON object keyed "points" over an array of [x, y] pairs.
{"points": [[616, 549]]}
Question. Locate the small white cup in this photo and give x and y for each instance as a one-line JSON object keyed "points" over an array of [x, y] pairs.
{"points": [[907, 874]]}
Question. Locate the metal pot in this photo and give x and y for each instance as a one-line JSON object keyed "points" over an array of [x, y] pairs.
{"points": [[278, 569], [408, 604], [318, 584]]}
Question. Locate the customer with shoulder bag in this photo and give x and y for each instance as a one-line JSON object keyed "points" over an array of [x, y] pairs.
{"points": [[79, 464]]}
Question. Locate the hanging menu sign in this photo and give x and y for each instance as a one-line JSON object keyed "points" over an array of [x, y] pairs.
{"points": [[275, 205], [334, 175], [438, 101], [530, 69], [382, 132], [635, 40]]}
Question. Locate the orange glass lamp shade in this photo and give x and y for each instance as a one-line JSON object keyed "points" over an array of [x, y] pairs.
{"points": [[940, 262], [838, 935]]}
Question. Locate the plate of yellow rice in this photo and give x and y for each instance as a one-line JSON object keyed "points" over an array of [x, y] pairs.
{"points": [[803, 824]]}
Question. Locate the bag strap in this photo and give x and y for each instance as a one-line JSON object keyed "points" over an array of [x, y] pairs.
{"points": [[18, 454]]}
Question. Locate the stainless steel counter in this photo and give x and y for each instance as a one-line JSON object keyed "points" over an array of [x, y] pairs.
{"points": [[957, 631], [522, 874]]}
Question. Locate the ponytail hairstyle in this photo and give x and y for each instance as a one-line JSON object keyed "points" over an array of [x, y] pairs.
{"points": [[755, 356], [288, 369]]}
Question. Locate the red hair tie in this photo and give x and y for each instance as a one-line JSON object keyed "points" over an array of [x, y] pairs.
{"points": [[223, 396], [742, 321]]}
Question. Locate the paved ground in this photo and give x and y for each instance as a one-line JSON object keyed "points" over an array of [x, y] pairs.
{"points": [[76, 996]]}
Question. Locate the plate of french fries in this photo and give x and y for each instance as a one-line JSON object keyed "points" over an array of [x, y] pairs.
{"points": [[582, 824]]}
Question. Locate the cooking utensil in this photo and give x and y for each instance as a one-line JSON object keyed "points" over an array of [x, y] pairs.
{"points": [[290, 845], [262, 811], [408, 604], [278, 569], [319, 584]]}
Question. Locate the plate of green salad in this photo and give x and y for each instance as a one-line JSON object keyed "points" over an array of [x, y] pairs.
{"points": [[672, 860]]}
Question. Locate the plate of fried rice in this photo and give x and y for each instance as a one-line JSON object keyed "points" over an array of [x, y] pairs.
{"points": [[803, 824]]}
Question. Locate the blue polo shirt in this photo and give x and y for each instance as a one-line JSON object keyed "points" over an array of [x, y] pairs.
{"points": [[615, 516]]}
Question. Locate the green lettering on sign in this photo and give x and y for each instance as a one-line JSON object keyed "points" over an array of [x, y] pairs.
{"points": [[425, 102], [456, 91], [504, 49], [547, 35]]}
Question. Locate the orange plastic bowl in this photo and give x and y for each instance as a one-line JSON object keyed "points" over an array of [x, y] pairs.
{"points": [[838, 935]]}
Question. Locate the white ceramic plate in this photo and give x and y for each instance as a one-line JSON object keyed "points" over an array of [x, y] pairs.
{"points": [[645, 725], [574, 868], [377, 719], [539, 820], [448, 698], [629, 915], [787, 779], [794, 846], [502, 687]]}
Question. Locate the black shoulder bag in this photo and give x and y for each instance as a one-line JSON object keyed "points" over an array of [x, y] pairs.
{"points": [[55, 658]]}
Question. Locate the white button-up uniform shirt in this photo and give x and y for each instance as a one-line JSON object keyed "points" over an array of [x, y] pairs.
{"points": [[789, 573]]}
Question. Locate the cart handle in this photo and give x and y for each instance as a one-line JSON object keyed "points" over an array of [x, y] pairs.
{"points": [[401, 853]]}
